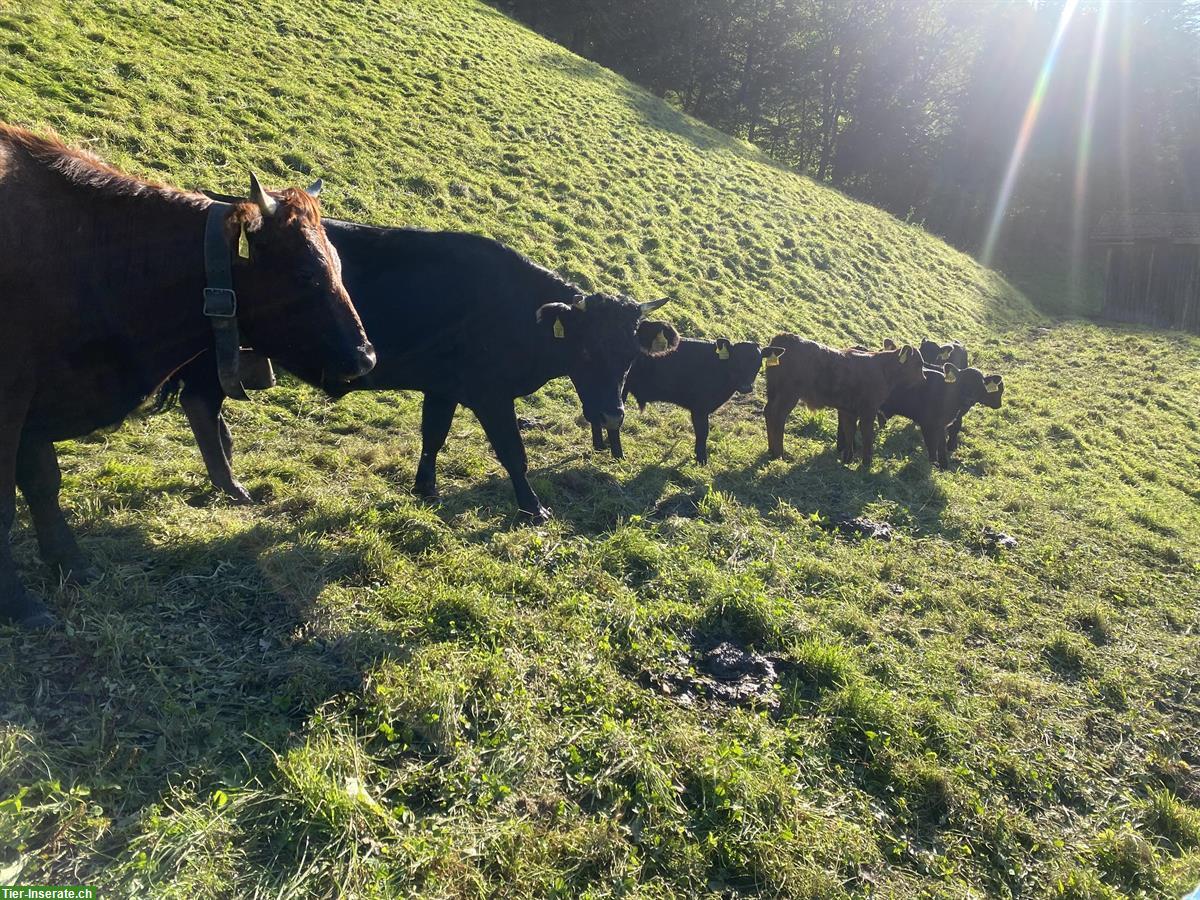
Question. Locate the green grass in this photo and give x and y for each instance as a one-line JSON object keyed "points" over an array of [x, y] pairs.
{"points": [[341, 692]]}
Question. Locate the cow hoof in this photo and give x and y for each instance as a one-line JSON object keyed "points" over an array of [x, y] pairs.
{"points": [[238, 495], [599, 447], [702, 460], [618, 454], [30, 614], [427, 492], [41, 620], [80, 574], [540, 517]]}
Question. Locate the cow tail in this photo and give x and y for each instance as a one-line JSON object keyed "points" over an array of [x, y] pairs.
{"points": [[168, 394]]}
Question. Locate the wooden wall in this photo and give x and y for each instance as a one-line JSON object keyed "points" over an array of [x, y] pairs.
{"points": [[1154, 284]]}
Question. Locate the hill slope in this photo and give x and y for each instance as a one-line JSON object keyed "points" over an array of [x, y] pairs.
{"points": [[341, 691]]}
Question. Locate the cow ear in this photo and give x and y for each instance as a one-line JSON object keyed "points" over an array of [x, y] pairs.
{"points": [[889, 344], [314, 189], [657, 338], [771, 355], [993, 383], [905, 352], [951, 373], [723, 348], [554, 317]]}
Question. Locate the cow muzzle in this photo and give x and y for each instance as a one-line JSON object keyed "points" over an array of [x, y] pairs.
{"points": [[366, 359], [357, 365]]}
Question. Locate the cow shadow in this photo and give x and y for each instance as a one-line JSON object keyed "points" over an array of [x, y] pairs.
{"points": [[824, 486], [589, 499], [193, 659]]}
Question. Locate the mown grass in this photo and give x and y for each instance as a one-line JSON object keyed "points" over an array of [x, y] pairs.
{"points": [[344, 692]]}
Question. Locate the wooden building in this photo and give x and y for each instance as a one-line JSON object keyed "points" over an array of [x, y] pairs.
{"points": [[1151, 268]]}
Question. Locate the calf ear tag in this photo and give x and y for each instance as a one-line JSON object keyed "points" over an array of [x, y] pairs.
{"points": [[771, 361], [943, 356], [659, 343], [722, 351], [559, 331], [243, 244], [991, 386], [951, 377]]}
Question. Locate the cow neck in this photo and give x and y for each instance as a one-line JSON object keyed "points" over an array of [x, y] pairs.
{"points": [[162, 315], [220, 301]]}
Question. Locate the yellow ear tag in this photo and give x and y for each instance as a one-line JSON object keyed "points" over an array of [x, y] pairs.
{"points": [[559, 331], [991, 386], [243, 244], [771, 361], [659, 344], [943, 356], [950, 377], [722, 351]]}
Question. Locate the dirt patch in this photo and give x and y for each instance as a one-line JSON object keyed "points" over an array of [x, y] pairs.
{"points": [[994, 542], [726, 674], [682, 504], [861, 527]]}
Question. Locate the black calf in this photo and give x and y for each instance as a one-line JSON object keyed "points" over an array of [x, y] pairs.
{"points": [[941, 401], [937, 355], [700, 376]]}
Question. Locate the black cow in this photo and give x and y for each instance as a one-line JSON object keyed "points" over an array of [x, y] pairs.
{"points": [[945, 396], [468, 322], [700, 376]]}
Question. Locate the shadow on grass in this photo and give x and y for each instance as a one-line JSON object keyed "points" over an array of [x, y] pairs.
{"points": [[188, 664], [590, 501], [593, 501]]}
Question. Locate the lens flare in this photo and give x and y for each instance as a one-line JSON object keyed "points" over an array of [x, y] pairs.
{"points": [[1083, 153], [1124, 74], [1028, 122]]}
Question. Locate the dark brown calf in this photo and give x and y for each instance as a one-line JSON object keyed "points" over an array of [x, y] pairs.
{"points": [[853, 382], [102, 280]]}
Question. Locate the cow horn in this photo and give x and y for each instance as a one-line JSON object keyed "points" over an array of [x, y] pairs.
{"points": [[266, 203], [651, 305], [314, 189]]}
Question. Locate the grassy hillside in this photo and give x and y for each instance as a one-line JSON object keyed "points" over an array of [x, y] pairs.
{"points": [[342, 692]]}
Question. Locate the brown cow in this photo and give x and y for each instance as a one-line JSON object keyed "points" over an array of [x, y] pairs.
{"points": [[854, 382], [102, 280]]}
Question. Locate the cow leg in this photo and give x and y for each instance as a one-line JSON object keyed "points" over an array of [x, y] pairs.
{"points": [[866, 424], [598, 438], [935, 441], [930, 435], [845, 435], [499, 421], [777, 412], [952, 434], [436, 415], [201, 403], [614, 441], [40, 480], [700, 426], [16, 603]]}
